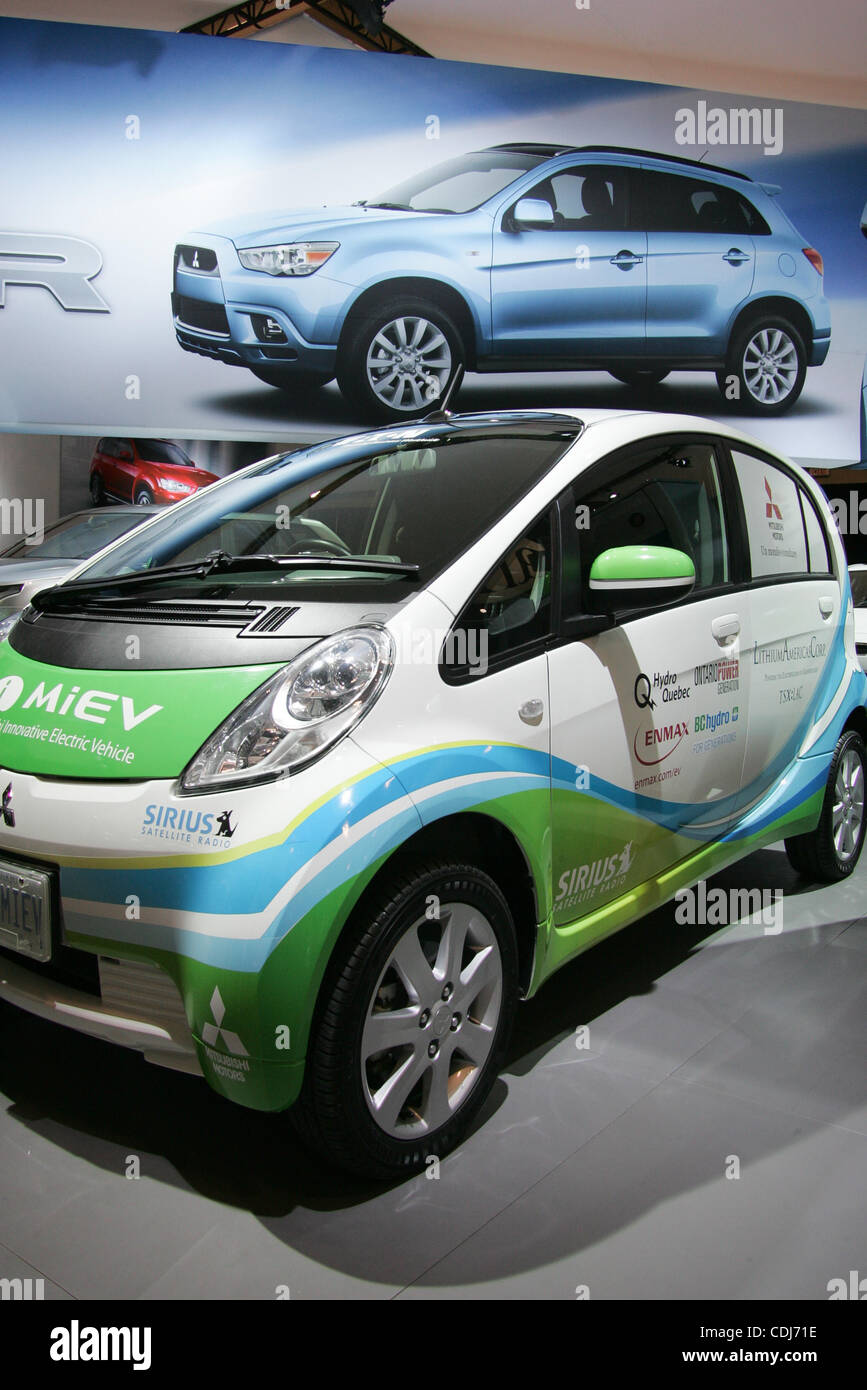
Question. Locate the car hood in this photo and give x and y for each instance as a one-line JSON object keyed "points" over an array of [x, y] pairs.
{"points": [[198, 476], [44, 572], [308, 224]]}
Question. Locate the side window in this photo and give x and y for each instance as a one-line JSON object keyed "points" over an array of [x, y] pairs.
{"points": [[511, 609], [818, 554], [673, 498], [677, 203], [588, 198], [775, 524]]}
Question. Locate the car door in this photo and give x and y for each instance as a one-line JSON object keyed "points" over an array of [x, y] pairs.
{"points": [[796, 653], [572, 289], [648, 716], [700, 261]]}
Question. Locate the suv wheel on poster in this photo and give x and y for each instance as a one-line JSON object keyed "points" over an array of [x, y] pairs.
{"points": [[642, 378], [97, 490], [768, 358], [830, 852], [414, 1022], [396, 362], [290, 381], [143, 497]]}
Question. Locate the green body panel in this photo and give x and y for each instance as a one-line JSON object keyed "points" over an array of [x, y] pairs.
{"points": [[118, 724]]}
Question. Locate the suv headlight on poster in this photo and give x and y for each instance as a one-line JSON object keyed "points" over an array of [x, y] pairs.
{"points": [[296, 258], [175, 485], [298, 714]]}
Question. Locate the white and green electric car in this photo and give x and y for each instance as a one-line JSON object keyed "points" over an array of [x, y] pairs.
{"points": [[308, 781]]}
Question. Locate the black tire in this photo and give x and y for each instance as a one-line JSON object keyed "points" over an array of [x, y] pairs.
{"points": [[784, 384], [291, 382], [817, 855], [367, 386], [143, 497], [642, 378], [97, 490], [335, 1114]]}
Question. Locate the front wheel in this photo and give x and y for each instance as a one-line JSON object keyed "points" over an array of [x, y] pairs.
{"points": [[144, 497], [830, 852], [414, 1022], [768, 362], [396, 363]]}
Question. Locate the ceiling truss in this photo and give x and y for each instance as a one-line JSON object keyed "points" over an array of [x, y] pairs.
{"points": [[239, 21]]}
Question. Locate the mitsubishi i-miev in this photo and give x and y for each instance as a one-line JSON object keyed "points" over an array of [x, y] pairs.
{"points": [[309, 780]]}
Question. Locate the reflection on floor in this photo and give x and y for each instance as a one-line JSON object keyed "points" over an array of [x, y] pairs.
{"points": [[605, 1161]]}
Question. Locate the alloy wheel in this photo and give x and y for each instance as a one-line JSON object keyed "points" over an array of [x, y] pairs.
{"points": [[409, 363], [432, 1021]]}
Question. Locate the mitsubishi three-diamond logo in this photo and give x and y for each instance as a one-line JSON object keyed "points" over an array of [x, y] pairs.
{"points": [[212, 1032]]}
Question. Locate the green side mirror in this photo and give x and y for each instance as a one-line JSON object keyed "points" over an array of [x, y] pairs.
{"points": [[636, 576]]}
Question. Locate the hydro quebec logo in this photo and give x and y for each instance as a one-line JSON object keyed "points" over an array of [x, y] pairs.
{"points": [[62, 265]]}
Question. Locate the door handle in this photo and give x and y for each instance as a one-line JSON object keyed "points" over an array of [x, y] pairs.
{"points": [[725, 627], [531, 711], [826, 607], [625, 260], [735, 256]]}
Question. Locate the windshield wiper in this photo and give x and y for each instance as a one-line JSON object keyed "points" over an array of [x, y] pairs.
{"points": [[218, 562]]}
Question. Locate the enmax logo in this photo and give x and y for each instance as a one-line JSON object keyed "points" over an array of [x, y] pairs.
{"points": [[93, 706], [672, 734]]}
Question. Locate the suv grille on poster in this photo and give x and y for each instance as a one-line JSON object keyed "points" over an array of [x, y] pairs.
{"points": [[262, 241]]}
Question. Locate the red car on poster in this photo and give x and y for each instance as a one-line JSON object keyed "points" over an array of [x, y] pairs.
{"points": [[144, 471]]}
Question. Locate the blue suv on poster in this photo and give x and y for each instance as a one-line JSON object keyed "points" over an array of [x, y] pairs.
{"points": [[521, 257]]}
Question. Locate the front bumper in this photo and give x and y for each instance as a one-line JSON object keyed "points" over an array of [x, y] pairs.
{"points": [[211, 949]]}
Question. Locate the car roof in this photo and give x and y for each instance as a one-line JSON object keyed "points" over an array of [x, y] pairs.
{"points": [[551, 152]]}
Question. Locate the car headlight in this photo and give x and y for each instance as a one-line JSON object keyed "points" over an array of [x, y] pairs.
{"points": [[174, 485], [298, 714], [296, 258]]}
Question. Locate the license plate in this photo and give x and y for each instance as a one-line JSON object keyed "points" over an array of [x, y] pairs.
{"points": [[25, 911]]}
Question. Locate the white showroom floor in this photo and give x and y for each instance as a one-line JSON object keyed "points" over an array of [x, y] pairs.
{"points": [[606, 1168]]}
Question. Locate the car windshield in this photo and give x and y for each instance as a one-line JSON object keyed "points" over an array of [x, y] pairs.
{"points": [[461, 184], [161, 451], [77, 537], [405, 512]]}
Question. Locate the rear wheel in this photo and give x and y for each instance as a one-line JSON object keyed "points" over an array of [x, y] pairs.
{"points": [[830, 852], [769, 362], [414, 1022], [97, 490]]}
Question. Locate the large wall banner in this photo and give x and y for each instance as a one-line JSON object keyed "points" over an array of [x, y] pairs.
{"points": [[201, 237]]}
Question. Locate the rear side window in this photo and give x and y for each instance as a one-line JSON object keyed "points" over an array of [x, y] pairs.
{"points": [[784, 539], [677, 203], [818, 555]]}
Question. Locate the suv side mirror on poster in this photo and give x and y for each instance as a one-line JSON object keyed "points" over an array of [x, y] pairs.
{"points": [[640, 576], [531, 212]]}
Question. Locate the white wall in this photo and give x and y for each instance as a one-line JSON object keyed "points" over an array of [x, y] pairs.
{"points": [[30, 473]]}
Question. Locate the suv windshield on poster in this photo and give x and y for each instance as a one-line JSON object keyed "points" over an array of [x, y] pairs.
{"points": [[206, 237]]}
